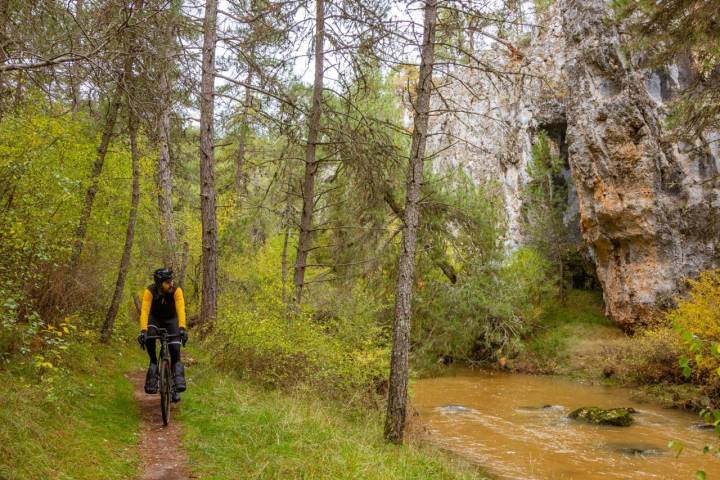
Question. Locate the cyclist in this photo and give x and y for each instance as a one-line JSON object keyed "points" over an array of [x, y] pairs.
{"points": [[163, 306]]}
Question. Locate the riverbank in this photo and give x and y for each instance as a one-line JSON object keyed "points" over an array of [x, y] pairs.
{"points": [[82, 423], [577, 341], [235, 429], [519, 426], [500, 414]]}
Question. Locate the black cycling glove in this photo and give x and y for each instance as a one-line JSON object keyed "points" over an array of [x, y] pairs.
{"points": [[142, 338]]}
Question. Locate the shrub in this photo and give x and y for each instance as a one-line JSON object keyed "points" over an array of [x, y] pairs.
{"points": [[650, 357], [44, 166], [273, 342], [484, 315], [697, 321]]}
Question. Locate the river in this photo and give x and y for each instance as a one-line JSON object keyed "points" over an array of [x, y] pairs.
{"points": [[517, 427]]}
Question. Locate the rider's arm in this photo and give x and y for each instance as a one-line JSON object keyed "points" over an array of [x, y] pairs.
{"points": [[180, 307], [145, 310]]}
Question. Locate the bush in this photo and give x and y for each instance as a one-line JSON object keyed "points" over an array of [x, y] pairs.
{"points": [[337, 349], [649, 357], [40, 164], [484, 315], [697, 321], [45, 159]]}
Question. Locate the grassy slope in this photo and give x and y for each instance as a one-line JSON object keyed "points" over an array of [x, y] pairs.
{"points": [[577, 340], [570, 338], [82, 425], [235, 430]]}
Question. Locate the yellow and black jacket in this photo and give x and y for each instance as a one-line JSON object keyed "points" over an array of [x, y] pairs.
{"points": [[162, 306]]}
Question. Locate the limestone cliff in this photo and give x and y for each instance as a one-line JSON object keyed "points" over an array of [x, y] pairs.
{"points": [[648, 208]]}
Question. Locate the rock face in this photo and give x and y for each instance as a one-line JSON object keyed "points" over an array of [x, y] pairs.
{"points": [[647, 209], [497, 118]]}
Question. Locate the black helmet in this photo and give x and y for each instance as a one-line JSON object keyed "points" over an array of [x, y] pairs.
{"points": [[162, 274]]}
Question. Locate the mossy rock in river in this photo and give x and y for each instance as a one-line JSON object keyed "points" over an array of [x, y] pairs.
{"points": [[620, 417]]}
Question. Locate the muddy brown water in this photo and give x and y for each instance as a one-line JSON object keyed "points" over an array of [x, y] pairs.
{"points": [[517, 427]]}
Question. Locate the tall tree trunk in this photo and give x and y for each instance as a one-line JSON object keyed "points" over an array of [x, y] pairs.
{"points": [[168, 235], [286, 237], [163, 170], [107, 328], [397, 398], [5, 89], [311, 163], [286, 222], [283, 262], [183, 265], [75, 69], [110, 119], [240, 177], [208, 306]]}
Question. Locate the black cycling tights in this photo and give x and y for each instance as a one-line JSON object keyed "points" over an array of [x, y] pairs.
{"points": [[173, 347]]}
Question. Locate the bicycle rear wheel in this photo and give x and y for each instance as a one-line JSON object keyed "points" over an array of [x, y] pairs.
{"points": [[165, 393]]}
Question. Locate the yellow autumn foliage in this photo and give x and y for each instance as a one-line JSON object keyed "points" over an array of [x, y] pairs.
{"points": [[699, 314]]}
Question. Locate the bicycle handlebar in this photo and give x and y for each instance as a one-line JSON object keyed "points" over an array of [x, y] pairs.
{"points": [[160, 337]]}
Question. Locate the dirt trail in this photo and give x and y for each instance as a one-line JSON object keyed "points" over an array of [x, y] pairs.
{"points": [[162, 455]]}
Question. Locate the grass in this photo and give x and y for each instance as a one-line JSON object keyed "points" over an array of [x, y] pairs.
{"points": [[685, 396], [81, 423], [237, 430], [578, 341], [76, 424], [569, 337]]}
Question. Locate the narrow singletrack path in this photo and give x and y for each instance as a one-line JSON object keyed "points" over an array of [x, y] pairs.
{"points": [[162, 454]]}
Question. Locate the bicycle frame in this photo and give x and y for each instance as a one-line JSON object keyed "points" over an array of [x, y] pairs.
{"points": [[163, 337], [165, 373]]}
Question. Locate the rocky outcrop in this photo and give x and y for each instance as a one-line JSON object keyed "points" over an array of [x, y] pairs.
{"points": [[649, 208], [645, 208], [496, 116]]}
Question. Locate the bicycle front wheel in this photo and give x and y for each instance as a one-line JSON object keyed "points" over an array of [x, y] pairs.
{"points": [[165, 393]]}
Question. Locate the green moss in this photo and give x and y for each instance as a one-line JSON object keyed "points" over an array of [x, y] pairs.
{"points": [[619, 417]]}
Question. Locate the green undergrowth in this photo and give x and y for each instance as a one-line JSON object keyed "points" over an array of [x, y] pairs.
{"points": [[73, 423], [236, 430], [577, 340], [568, 337]]}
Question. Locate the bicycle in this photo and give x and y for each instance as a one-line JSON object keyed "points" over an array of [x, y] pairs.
{"points": [[165, 374]]}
